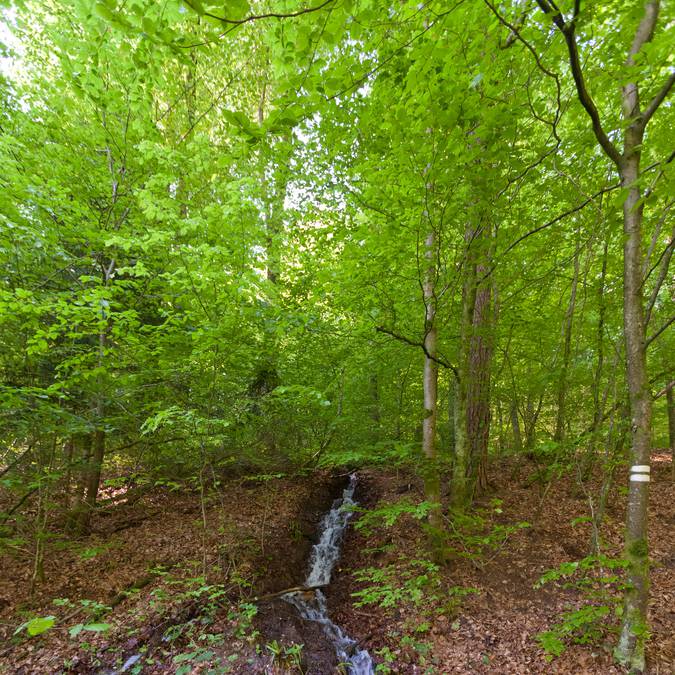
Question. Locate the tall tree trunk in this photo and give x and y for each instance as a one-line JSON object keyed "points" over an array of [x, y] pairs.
{"points": [[671, 429], [530, 420], [375, 405], [630, 650], [452, 395], [401, 400], [459, 490], [515, 424], [478, 385], [432, 486], [68, 447], [599, 401], [267, 377], [473, 400], [614, 450], [94, 474], [76, 518], [567, 348], [598, 406]]}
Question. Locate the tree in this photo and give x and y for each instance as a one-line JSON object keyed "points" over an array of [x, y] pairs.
{"points": [[630, 649]]}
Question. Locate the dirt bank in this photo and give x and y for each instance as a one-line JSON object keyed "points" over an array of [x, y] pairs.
{"points": [[148, 559]]}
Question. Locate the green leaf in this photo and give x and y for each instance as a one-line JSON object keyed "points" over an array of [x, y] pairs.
{"points": [[102, 10], [237, 9], [39, 625], [196, 5]]}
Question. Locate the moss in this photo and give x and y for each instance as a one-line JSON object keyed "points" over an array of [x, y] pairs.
{"points": [[638, 549]]}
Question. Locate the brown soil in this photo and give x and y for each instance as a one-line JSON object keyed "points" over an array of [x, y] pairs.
{"points": [[258, 539], [494, 631]]}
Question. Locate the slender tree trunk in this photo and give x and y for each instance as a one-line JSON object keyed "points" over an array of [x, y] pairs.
{"points": [[599, 400], [430, 383], [631, 645], [515, 425], [45, 467], [68, 447], [473, 401], [600, 342], [76, 518], [567, 348], [671, 429], [530, 419], [630, 649], [501, 442], [272, 193], [375, 406], [452, 395], [614, 451], [94, 473], [459, 490]]}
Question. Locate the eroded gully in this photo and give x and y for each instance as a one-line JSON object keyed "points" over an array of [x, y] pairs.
{"points": [[324, 556]]}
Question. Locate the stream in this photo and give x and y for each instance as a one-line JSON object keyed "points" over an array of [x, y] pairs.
{"points": [[325, 554], [312, 606]]}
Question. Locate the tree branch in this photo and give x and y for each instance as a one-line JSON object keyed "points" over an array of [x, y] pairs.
{"points": [[515, 32], [401, 338], [569, 212], [664, 262], [653, 337], [294, 589], [17, 460], [257, 17], [658, 99], [665, 390], [567, 29]]}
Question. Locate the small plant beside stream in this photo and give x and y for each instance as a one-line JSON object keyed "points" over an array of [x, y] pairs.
{"points": [[600, 580]]}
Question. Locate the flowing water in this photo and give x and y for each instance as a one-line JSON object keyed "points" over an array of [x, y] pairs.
{"points": [[325, 555]]}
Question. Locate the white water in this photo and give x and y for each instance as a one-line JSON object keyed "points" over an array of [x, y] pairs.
{"points": [[324, 556]]}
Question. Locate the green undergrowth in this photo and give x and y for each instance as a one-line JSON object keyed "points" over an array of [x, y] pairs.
{"points": [[413, 588], [600, 580], [390, 454], [415, 591], [476, 534]]}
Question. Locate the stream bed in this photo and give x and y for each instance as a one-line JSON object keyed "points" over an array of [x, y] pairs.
{"points": [[312, 606]]}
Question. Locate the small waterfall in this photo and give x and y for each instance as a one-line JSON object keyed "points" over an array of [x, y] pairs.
{"points": [[324, 556]]}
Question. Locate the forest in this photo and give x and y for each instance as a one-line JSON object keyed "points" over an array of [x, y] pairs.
{"points": [[337, 337]]}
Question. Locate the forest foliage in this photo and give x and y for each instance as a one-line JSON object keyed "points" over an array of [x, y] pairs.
{"points": [[255, 238]]}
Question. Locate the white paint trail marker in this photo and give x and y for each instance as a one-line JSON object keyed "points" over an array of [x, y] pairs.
{"points": [[639, 473]]}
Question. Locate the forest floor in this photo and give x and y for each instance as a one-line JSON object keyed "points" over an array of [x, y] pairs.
{"points": [[478, 613]]}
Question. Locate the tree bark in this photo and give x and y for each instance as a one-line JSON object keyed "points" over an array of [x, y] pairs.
{"points": [[459, 490], [515, 424], [671, 429], [630, 649], [530, 419], [68, 447], [559, 434], [478, 386], [473, 400], [430, 385], [75, 520]]}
